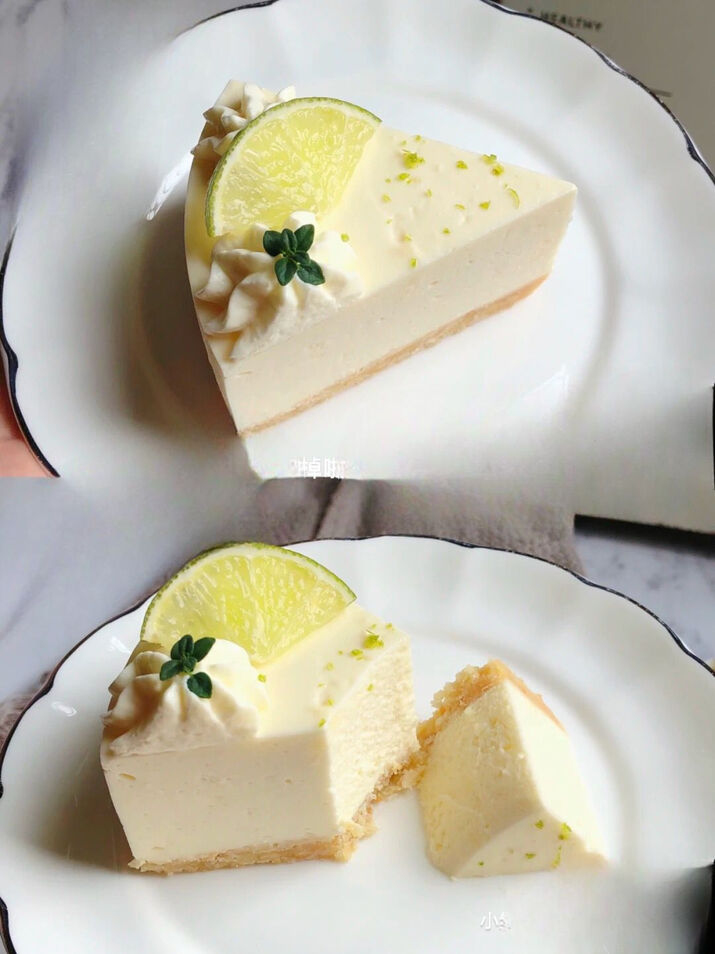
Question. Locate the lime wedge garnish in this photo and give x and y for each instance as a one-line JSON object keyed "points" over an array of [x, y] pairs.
{"points": [[296, 156], [262, 597]]}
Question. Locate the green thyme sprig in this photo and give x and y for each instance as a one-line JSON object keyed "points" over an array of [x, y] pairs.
{"points": [[185, 653], [291, 251]]}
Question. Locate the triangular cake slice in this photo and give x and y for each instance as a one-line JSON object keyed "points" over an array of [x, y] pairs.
{"points": [[500, 789], [426, 239]]}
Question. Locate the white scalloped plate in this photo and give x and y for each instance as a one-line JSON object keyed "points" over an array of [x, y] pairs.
{"points": [[638, 708], [598, 386]]}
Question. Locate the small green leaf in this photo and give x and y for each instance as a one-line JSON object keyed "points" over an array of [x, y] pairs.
{"points": [[171, 668], [202, 646], [272, 242], [289, 243], [200, 684], [304, 237], [311, 274], [285, 270], [182, 647]]}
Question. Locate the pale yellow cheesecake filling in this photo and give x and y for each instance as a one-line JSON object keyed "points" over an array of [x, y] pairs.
{"points": [[501, 792], [278, 757], [435, 234]]}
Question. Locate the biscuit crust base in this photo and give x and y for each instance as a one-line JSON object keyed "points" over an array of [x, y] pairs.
{"points": [[427, 341], [338, 848]]}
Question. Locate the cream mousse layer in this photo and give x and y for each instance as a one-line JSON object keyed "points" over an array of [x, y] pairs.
{"points": [[441, 237], [501, 792], [280, 763]]}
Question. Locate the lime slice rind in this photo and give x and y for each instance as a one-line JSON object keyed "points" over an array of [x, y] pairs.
{"points": [[296, 156], [262, 597]]}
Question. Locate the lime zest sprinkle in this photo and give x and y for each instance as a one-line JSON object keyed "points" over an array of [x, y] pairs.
{"points": [[497, 169], [539, 823], [413, 263], [411, 159], [370, 687], [345, 237], [565, 832], [407, 237], [372, 641], [489, 158], [514, 194], [389, 626], [386, 197], [485, 205], [481, 864], [321, 723], [388, 179], [557, 860], [461, 164], [446, 231], [428, 193], [388, 221], [321, 685], [405, 177], [357, 653], [418, 138], [458, 205], [330, 666], [529, 855], [329, 702], [262, 677]]}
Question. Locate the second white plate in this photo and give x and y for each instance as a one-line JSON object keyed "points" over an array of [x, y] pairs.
{"points": [[638, 708]]}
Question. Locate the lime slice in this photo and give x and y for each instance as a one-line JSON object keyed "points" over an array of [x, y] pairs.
{"points": [[296, 156], [264, 598]]}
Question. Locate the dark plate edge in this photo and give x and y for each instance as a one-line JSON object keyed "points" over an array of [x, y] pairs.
{"points": [[256, 4], [5, 936], [12, 365], [49, 682], [693, 150]]}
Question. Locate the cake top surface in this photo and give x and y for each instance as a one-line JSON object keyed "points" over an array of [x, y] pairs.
{"points": [[410, 202], [297, 692]]}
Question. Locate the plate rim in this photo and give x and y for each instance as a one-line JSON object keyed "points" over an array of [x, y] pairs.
{"points": [[11, 359], [11, 364], [49, 681]]}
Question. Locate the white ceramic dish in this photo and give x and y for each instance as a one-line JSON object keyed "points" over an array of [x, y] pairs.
{"points": [[638, 707], [598, 387]]}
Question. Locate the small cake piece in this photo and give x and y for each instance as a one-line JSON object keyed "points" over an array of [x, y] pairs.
{"points": [[216, 758], [500, 789], [415, 240]]}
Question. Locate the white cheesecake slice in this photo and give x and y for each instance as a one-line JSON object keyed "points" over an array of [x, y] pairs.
{"points": [[501, 792], [279, 764], [426, 239]]}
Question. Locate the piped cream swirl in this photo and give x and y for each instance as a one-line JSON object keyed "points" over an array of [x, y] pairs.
{"points": [[246, 296], [238, 104], [151, 715]]}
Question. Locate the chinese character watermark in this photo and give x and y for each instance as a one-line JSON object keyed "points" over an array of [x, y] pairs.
{"points": [[319, 467], [491, 921]]}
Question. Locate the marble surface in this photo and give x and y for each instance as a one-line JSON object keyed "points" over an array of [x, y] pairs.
{"points": [[669, 572]]}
